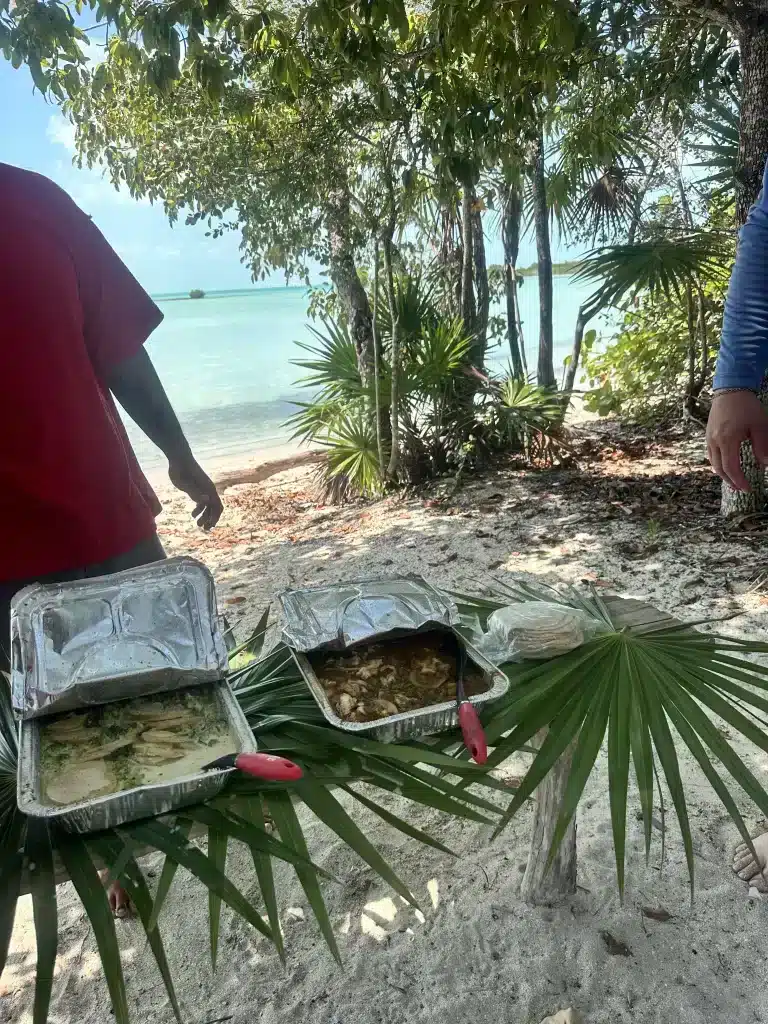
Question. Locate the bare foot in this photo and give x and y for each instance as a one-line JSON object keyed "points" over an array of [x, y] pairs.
{"points": [[119, 900], [749, 869]]}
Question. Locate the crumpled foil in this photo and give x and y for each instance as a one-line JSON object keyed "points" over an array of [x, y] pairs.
{"points": [[142, 631], [335, 617]]}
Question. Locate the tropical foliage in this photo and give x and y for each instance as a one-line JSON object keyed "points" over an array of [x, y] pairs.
{"points": [[653, 366], [450, 415]]}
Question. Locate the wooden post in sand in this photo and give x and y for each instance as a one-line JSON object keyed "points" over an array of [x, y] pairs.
{"points": [[560, 880], [539, 884]]}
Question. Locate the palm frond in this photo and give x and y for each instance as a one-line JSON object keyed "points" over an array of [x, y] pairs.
{"points": [[721, 152], [663, 266], [650, 694], [605, 206], [333, 367]]}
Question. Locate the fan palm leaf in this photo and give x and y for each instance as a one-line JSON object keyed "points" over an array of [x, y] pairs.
{"points": [[721, 153], [660, 266], [333, 368], [649, 696]]}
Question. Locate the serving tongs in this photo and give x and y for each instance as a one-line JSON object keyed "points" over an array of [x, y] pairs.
{"points": [[261, 766], [471, 729]]}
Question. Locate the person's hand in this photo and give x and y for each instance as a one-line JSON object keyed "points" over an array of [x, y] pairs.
{"points": [[735, 417], [187, 476]]}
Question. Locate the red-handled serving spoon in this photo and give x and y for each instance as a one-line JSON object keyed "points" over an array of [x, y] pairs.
{"points": [[471, 729], [260, 766]]}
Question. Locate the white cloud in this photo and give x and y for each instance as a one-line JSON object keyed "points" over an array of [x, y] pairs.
{"points": [[61, 131], [94, 190]]}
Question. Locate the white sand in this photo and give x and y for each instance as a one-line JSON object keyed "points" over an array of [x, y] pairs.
{"points": [[479, 954]]}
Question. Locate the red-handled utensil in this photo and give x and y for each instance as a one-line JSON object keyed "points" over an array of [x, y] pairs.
{"points": [[471, 729], [260, 766]]}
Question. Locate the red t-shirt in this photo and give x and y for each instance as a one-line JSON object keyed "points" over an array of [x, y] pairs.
{"points": [[71, 491]]}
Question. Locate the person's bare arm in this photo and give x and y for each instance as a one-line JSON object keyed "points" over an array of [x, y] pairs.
{"points": [[136, 386], [737, 415]]}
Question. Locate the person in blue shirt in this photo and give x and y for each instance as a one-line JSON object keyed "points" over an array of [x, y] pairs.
{"points": [[737, 414]]}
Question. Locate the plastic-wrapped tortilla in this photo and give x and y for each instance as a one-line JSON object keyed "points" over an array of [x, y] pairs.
{"points": [[535, 630]]}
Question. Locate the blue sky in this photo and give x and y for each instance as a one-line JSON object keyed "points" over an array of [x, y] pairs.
{"points": [[165, 259], [35, 135]]}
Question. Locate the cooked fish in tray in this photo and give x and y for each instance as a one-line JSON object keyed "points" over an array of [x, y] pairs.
{"points": [[393, 676], [120, 746]]}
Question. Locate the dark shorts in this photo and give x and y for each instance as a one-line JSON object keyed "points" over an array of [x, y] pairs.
{"points": [[150, 550]]}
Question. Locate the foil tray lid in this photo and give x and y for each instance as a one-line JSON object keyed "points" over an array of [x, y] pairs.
{"points": [[340, 616], [126, 635]]}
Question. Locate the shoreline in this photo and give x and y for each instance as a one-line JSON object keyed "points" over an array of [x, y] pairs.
{"points": [[277, 455], [227, 471]]}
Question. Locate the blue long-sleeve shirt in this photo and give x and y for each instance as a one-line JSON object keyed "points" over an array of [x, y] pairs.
{"points": [[743, 358]]}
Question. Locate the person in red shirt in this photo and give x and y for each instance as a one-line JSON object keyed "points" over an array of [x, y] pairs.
{"points": [[73, 323]]}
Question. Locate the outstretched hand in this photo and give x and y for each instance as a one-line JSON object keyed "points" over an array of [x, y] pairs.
{"points": [[735, 417], [188, 476]]}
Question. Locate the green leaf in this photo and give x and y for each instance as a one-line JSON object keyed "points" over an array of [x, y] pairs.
{"points": [[42, 886], [618, 761], [561, 733], [85, 878], [689, 736], [112, 850], [155, 834], [217, 852], [182, 827], [642, 757], [403, 826], [38, 76], [590, 739], [331, 813], [287, 823], [665, 747], [251, 835], [253, 811]]}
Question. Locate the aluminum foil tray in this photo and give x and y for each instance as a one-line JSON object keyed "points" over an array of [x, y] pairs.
{"points": [[131, 804], [423, 722], [131, 634], [340, 616]]}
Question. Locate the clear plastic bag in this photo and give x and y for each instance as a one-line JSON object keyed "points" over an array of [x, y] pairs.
{"points": [[535, 630]]}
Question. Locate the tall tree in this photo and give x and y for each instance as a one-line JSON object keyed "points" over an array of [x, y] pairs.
{"points": [[511, 218], [546, 368]]}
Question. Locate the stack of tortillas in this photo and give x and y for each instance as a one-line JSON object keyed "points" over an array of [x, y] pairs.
{"points": [[538, 629]]}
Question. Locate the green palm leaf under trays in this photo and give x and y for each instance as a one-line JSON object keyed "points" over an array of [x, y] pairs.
{"points": [[652, 695], [655, 696]]}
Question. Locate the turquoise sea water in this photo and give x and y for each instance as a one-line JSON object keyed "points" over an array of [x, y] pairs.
{"points": [[226, 362]]}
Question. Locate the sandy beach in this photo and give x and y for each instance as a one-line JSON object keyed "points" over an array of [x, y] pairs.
{"points": [[637, 517]]}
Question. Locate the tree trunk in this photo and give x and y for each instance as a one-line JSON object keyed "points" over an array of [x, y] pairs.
{"points": [[689, 399], [451, 258], [753, 150], [346, 280], [546, 368], [378, 412], [467, 286], [394, 312], [584, 316], [539, 885], [510, 236], [481, 288]]}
